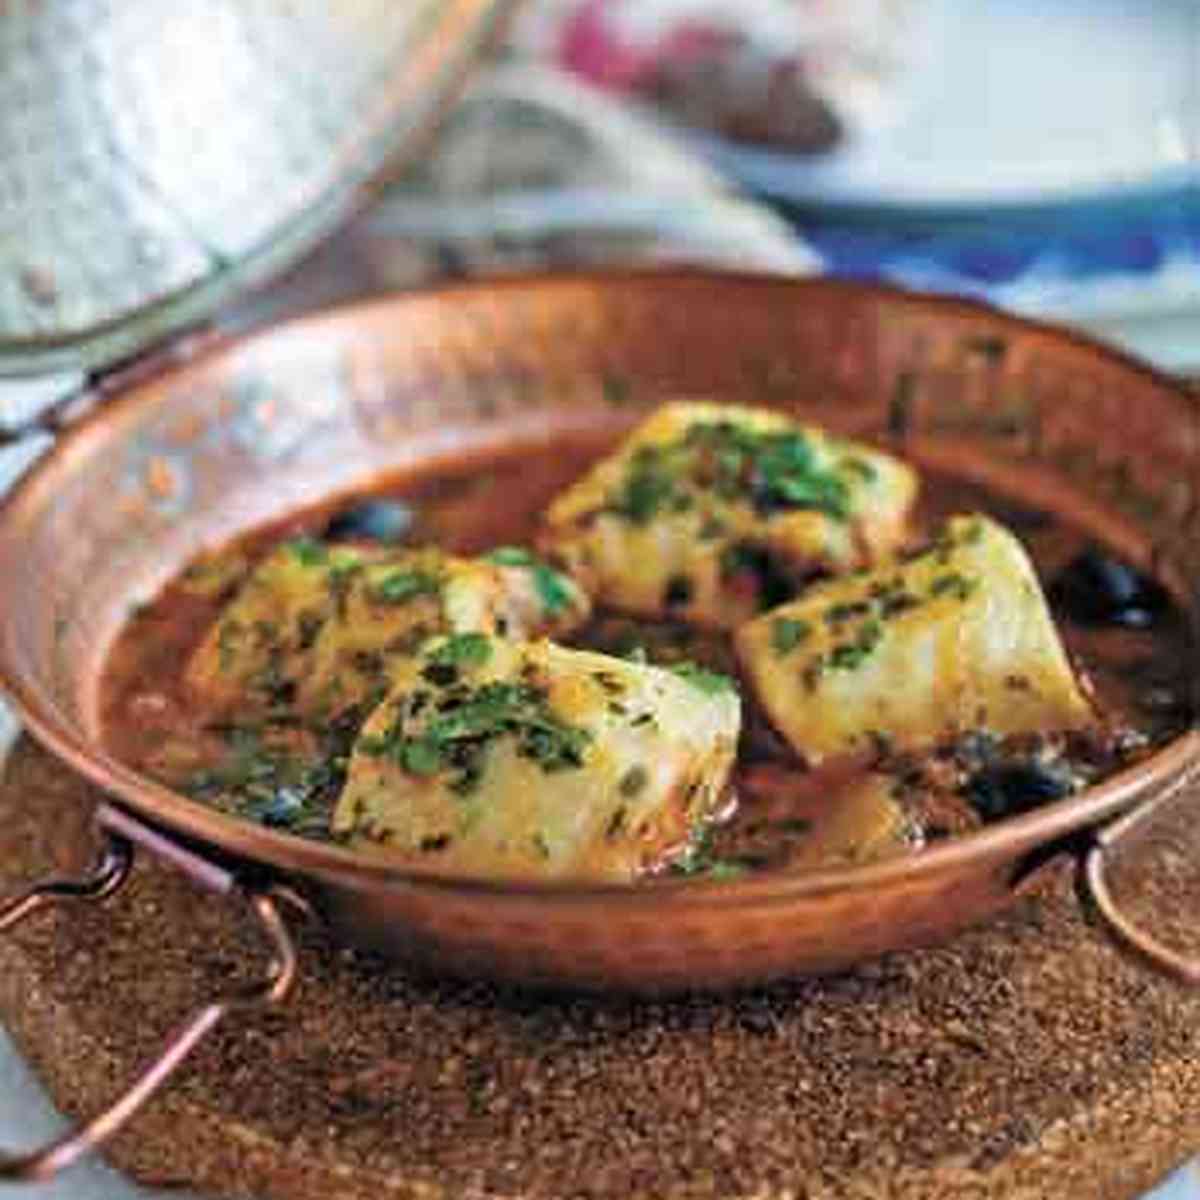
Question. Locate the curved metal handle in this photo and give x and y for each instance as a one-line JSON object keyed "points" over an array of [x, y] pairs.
{"points": [[110, 873], [1099, 899]]}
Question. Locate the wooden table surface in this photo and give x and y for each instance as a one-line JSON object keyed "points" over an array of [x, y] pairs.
{"points": [[1025, 1059]]}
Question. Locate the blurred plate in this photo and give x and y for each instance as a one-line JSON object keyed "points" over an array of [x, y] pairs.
{"points": [[1022, 102]]}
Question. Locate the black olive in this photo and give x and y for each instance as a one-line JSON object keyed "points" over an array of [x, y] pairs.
{"points": [[774, 585], [1020, 517], [678, 591], [1097, 589], [372, 521], [282, 809], [1004, 789]]}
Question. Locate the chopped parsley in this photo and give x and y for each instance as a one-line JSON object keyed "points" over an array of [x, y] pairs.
{"points": [[773, 470], [553, 588], [229, 634], [511, 556], [787, 633], [837, 614], [457, 734], [337, 583], [953, 584], [972, 535], [308, 552], [850, 655], [462, 650], [268, 781], [698, 861], [648, 485], [419, 757], [711, 683], [867, 471], [892, 604], [401, 586]]}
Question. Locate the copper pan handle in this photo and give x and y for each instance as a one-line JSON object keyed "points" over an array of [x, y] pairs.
{"points": [[112, 869], [1099, 900]]}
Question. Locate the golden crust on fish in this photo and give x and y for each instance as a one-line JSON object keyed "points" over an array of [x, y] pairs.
{"points": [[955, 639], [323, 624], [392, 607], [265, 634], [493, 758], [708, 513]]}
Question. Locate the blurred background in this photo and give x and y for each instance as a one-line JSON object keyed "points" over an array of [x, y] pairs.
{"points": [[1041, 154]]}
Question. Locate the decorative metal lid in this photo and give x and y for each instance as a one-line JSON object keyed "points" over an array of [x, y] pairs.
{"points": [[157, 159]]}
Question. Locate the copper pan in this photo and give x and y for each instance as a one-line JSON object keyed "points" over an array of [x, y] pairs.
{"points": [[193, 452]]}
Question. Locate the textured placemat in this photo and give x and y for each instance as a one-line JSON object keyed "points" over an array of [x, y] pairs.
{"points": [[1024, 1060]]}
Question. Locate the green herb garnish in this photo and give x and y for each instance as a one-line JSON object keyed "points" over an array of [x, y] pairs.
{"points": [[462, 650], [647, 487], [698, 861], [337, 584], [272, 783], [401, 586], [953, 584], [787, 633], [865, 470], [552, 586], [229, 634], [850, 655], [711, 683], [511, 556], [308, 552], [772, 470], [837, 614], [420, 757], [456, 737]]}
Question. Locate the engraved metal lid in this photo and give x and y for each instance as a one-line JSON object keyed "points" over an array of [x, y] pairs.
{"points": [[157, 159]]}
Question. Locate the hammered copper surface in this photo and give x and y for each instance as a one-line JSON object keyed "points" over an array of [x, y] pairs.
{"points": [[257, 428], [156, 160]]}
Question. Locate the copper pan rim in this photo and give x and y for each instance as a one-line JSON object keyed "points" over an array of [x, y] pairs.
{"points": [[258, 846]]}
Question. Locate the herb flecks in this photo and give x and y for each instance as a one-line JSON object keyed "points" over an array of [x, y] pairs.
{"points": [[648, 485], [863, 468], [462, 650], [511, 556], [772, 470], [699, 861], [711, 683], [404, 585], [953, 584], [264, 778], [787, 633], [454, 735], [848, 656], [553, 587], [308, 552]]}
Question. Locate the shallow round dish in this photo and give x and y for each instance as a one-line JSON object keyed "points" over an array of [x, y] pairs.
{"points": [[251, 430]]}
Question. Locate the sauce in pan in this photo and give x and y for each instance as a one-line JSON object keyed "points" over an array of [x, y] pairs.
{"points": [[1123, 635]]}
